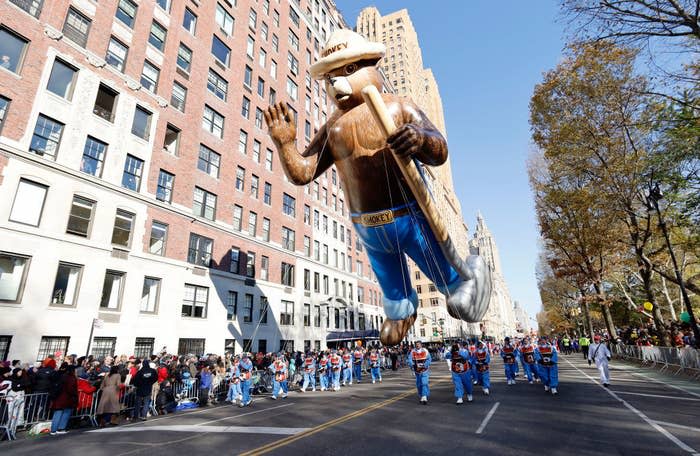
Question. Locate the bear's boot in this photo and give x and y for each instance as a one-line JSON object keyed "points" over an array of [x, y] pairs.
{"points": [[393, 331]]}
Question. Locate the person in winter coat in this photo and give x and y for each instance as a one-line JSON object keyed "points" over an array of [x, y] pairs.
{"points": [[109, 396], [165, 401], [143, 381], [42, 378], [65, 389]]}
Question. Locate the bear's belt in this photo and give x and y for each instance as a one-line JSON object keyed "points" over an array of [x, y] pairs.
{"points": [[379, 218]]}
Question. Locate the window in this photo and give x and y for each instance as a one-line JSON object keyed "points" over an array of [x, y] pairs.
{"points": [[12, 49], [307, 314], [217, 85], [254, 186], [294, 16], [199, 251], [93, 156], [264, 268], [157, 36], [220, 51], [237, 216], [259, 118], [266, 6], [317, 251], [116, 53], [273, 96], [13, 275], [190, 346], [103, 346], [232, 305], [264, 31], [273, 69], [256, 151], [213, 122], [250, 47], [4, 104], [250, 264], [165, 6], [204, 204], [171, 141], [287, 313], [80, 218], [266, 229], [194, 304], [264, 305], [141, 126], [307, 130], [159, 238], [112, 290], [267, 193], [184, 58], [336, 318], [224, 19], [149, 76], [288, 238], [126, 12], [242, 142], [32, 7], [105, 103], [307, 246], [288, 205], [245, 107], [248, 309], [262, 57], [252, 19], [248, 76], [62, 79], [150, 294], [29, 202], [292, 89], [325, 254], [240, 178], [121, 234], [234, 267], [144, 346], [287, 274], [76, 27], [189, 21], [46, 138], [133, 167], [261, 88], [208, 161], [50, 346], [276, 18], [179, 96]]}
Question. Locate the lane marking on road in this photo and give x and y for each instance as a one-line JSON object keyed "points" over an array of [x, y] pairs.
{"points": [[215, 429], [321, 427], [488, 418], [657, 395], [679, 426], [236, 416], [670, 385], [640, 414]]}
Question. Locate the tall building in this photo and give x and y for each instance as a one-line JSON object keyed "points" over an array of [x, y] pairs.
{"points": [[500, 320], [403, 66], [141, 199], [522, 319]]}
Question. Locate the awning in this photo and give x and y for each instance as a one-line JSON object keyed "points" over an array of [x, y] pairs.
{"points": [[339, 336]]}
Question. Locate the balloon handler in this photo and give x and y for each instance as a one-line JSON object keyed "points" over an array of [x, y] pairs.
{"points": [[387, 209]]}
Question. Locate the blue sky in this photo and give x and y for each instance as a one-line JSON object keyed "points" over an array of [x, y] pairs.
{"points": [[487, 57]]}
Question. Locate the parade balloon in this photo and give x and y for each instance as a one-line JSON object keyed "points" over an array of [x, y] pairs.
{"points": [[685, 317], [649, 306]]}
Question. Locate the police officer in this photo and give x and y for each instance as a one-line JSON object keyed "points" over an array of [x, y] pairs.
{"points": [[279, 370], [460, 366], [508, 354], [546, 357], [482, 359], [584, 342], [419, 361], [309, 365]]}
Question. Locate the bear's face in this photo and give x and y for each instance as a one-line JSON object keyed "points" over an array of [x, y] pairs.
{"points": [[344, 85]]}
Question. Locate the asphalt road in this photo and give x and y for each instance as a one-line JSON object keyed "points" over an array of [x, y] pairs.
{"points": [[641, 414]]}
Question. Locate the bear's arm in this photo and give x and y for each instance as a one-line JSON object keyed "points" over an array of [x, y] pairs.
{"points": [[307, 166], [433, 151]]}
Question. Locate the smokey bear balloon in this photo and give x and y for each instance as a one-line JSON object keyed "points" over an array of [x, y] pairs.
{"points": [[384, 211]]}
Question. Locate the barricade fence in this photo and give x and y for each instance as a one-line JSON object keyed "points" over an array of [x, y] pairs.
{"points": [[671, 359]]}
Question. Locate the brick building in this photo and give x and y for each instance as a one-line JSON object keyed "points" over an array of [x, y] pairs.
{"points": [[139, 187]]}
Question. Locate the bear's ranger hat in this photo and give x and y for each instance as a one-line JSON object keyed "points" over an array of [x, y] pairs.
{"points": [[343, 47]]}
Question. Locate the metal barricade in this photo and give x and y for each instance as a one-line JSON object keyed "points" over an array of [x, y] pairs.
{"points": [[666, 359], [87, 406]]}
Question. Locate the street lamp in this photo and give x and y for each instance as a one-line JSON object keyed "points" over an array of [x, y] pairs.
{"points": [[654, 196]]}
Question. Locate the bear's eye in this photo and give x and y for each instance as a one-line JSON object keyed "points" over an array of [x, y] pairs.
{"points": [[350, 69]]}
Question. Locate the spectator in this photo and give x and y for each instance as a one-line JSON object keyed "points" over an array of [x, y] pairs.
{"points": [[143, 381], [109, 399], [205, 381], [43, 376], [165, 400], [64, 395]]}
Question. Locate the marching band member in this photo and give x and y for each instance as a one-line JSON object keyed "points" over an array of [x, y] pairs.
{"points": [[234, 390], [336, 363], [357, 358], [419, 361], [245, 368], [347, 367], [482, 359], [279, 368], [472, 351], [508, 353], [461, 372], [374, 366], [323, 371], [600, 354], [527, 351], [309, 372], [546, 357]]}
